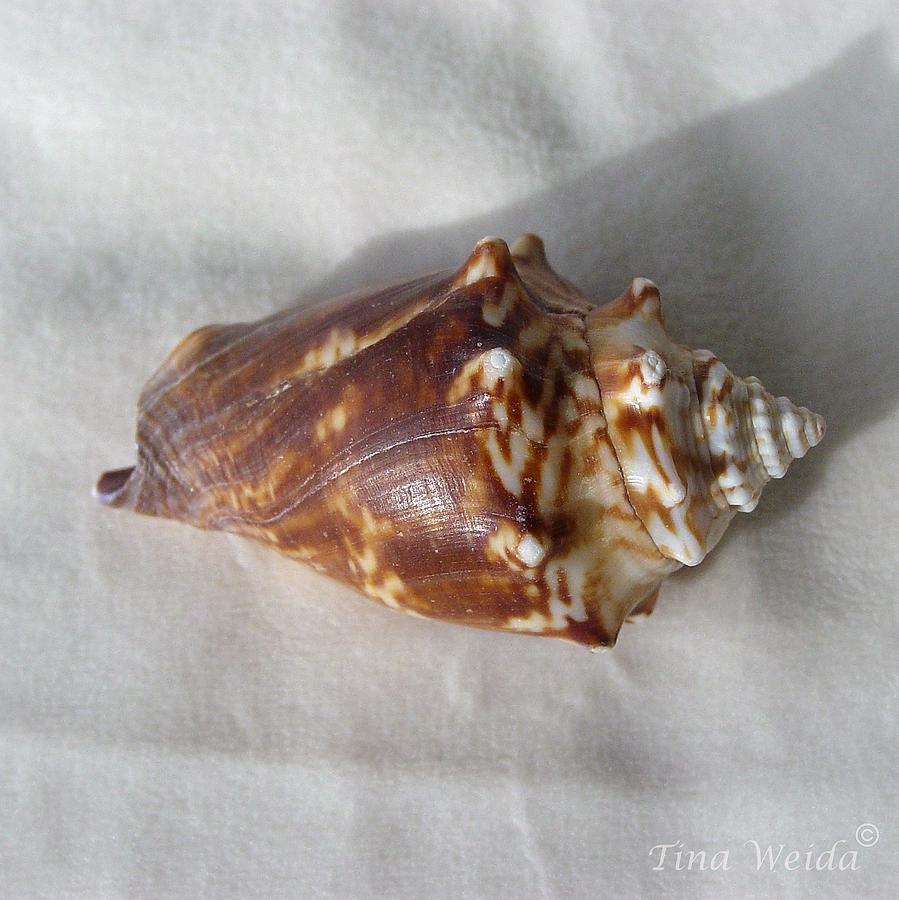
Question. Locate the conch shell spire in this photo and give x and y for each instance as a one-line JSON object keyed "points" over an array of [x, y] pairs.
{"points": [[694, 441], [752, 436]]}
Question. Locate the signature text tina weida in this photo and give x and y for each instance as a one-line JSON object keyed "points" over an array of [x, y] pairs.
{"points": [[841, 855]]}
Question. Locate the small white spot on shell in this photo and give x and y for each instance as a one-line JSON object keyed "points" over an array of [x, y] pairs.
{"points": [[652, 368], [530, 551], [500, 360], [586, 389], [638, 285]]}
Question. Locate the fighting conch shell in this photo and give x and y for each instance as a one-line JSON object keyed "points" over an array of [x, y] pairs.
{"points": [[482, 446]]}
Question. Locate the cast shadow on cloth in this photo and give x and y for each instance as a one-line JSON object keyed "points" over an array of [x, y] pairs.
{"points": [[770, 235], [767, 229]]}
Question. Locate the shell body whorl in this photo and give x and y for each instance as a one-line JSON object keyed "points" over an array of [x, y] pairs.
{"points": [[481, 445]]}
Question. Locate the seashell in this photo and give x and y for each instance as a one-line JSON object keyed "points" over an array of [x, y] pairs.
{"points": [[483, 445]]}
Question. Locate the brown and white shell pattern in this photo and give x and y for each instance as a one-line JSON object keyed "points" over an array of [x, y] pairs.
{"points": [[482, 446]]}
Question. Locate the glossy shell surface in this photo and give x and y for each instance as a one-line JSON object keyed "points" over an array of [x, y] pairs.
{"points": [[445, 445]]}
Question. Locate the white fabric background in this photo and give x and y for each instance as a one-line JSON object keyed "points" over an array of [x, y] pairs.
{"points": [[185, 714]]}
